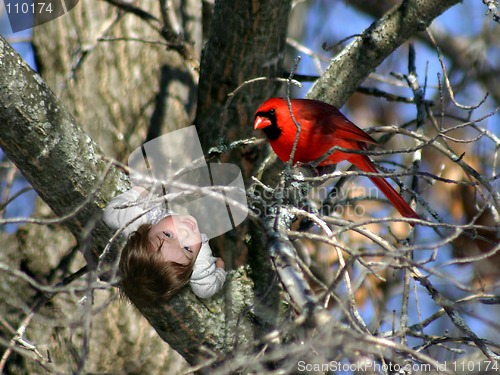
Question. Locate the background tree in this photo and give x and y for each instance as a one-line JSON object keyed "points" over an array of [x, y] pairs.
{"points": [[128, 72]]}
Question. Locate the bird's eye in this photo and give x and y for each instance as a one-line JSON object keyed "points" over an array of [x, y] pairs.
{"points": [[272, 111]]}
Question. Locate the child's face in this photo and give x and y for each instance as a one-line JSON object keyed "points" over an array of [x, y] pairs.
{"points": [[179, 238]]}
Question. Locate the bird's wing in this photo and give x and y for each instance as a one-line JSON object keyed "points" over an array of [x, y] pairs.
{"points": [[331, 124], [336, 125]]}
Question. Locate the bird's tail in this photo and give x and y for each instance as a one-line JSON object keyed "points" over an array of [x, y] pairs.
{"points": [[392, 195]]}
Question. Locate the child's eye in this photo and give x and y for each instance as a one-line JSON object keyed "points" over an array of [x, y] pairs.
{"points": [[168, 234], [187, 248]]}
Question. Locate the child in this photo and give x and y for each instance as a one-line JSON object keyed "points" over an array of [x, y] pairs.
{"points": [[163, 253]]}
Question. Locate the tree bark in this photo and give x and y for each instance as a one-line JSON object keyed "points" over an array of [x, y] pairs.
{"points": [[114, 75], [255, 47], [61, 162], [65, 167], [357, 60]]}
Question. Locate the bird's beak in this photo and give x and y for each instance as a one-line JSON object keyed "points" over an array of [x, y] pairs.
{"points": [[261, 122]]}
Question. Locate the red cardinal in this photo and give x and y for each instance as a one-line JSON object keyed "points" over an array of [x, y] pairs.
{"points": [[322, 127]]}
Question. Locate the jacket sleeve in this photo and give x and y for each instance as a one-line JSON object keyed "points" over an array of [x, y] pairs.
{"points": [[207, 279], [123, 209], [209, 285]]}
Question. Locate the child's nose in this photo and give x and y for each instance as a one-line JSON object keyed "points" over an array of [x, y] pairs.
{"points": [[182, 233]]}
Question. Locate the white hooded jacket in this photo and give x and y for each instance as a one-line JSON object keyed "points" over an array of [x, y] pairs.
{"points": [[127, 212]]}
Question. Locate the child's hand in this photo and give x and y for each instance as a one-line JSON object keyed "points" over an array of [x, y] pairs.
{"points": [[219, 263]]}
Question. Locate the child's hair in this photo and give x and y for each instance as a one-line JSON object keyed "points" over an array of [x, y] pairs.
{"points": [[146, 278]]}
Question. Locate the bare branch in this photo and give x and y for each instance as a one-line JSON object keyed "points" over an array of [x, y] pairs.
{"points": [[353, 65], [493, 9]]}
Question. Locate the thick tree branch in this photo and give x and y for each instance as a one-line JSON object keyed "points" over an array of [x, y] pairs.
{"points": [[205, 330], [64, 165], [353, 65], [461, 50], [55, 155]]}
